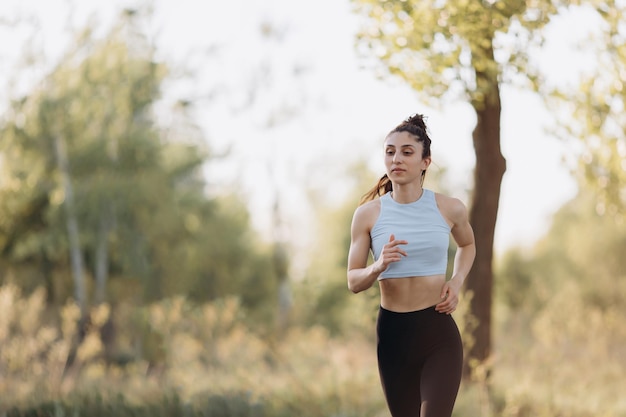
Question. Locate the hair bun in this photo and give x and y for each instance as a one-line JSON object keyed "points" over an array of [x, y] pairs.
{"points": [[417, 120]]}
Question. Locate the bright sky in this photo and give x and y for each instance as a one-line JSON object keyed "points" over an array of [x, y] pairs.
{"points": [[297, 111]]}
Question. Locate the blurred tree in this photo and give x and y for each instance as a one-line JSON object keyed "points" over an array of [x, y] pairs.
{"points": [[274, 97], [581, 248], [71, 222], [322, 296], [91, 114], [513, 281], [591, 248], [464, 49], [594, 112], [141, 210]]}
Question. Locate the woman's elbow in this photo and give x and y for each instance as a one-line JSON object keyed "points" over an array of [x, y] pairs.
{"points": [[353, 288], [354, 285]]}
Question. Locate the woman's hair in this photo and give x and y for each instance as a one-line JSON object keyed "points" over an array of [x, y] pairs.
{"points": [[415, 126]]}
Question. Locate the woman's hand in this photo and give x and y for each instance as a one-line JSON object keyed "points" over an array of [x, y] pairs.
{"points": [[391, 252], [450, 296]]}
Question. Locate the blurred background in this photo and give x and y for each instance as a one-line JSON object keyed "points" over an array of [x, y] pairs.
{"points": [[178, 178]]}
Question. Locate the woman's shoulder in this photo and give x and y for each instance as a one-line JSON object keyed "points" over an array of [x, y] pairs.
{"points": [[368, 212], [369, 206], [451, 207]]}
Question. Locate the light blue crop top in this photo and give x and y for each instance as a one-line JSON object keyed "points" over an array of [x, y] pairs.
{"points": [[421, 224]]}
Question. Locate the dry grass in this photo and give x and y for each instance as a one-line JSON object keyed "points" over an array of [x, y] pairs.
{"points": [[568, 360]]}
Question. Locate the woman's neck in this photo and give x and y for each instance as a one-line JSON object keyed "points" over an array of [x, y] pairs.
{"points": [[408, 193]]}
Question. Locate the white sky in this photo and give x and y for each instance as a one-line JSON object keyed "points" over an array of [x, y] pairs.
{"points": [[326, 117]]}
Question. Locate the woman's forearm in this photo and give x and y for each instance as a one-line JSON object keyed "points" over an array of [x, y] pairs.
{"points": [[463, 261], [360, 279]]}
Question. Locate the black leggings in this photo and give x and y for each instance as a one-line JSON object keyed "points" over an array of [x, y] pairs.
{"points": [[420, 360]]}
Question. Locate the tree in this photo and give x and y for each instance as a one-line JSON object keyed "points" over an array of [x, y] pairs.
{"points": [[593, 113], [83, 149], [323, 298], [460, 49], [581, 248], [92, 115], [73, 232]]}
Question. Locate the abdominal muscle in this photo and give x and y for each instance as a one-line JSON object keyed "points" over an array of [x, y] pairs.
{"points": [[412, 293]]}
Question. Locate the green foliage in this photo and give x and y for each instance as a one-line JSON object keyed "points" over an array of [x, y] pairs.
{"points": [[454, 48], [560, 316], [593, 113], [98, 101], [514, 283], [140, 196], [582, 248], [323, 296]]}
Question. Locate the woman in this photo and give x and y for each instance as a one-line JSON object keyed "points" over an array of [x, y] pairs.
{"points": [[407, 229]]}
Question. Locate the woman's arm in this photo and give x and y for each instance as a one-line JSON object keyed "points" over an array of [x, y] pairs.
{"points": [[466, 252], [360, 276]]}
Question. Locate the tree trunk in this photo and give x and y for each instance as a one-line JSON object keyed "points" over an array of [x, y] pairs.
{"points": [[71, 224], [489, 170], [102, 257]]}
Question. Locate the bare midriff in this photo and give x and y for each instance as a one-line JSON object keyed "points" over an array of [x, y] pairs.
{"points": [[411, 293]]}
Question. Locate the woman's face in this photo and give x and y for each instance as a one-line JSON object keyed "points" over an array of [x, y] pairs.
{"points": [[403, 158]]}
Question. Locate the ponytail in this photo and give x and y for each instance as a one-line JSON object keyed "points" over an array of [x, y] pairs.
{"points": [[383, 187]]}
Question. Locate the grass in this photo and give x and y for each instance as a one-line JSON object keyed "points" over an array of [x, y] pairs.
{"points": [[174, 358]]}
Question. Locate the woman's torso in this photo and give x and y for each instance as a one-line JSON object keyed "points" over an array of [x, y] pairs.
{"points": [[409, 293]]}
